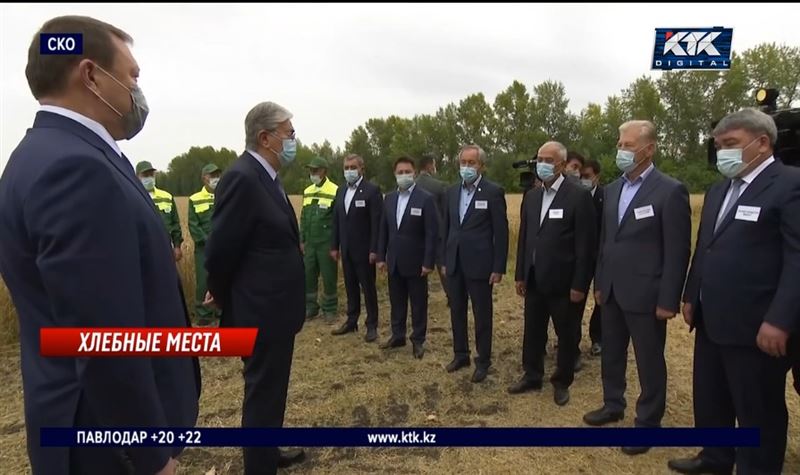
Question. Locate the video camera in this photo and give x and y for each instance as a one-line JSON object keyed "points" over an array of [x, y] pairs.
{"points": [[787, 148], [528, 177]]}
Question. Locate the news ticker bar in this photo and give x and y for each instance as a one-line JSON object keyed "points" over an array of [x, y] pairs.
{"points": [[163, 342], [401, 437]]}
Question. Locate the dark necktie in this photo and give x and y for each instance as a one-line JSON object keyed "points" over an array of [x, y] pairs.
{"points": [[736, 185]]}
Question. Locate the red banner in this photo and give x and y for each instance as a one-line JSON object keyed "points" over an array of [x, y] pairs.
{"points": [[147, 341]]}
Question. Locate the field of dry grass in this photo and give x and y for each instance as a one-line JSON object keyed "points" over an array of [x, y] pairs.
{"points": [[342, 381]]}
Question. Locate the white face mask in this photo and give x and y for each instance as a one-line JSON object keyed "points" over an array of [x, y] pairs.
{"points": [[316, 179], [149, 182], [212, 183]]}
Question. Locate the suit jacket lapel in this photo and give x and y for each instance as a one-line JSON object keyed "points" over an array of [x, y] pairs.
{"points": [[763, 181], [647, 186], [557, 201], [537, 201], [455, 203], [49, 119], [476, 195], [394, 202], [281, 199], [614, 191]]}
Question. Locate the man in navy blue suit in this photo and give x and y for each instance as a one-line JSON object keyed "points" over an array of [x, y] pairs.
{"points": [[407, 247], [741, 296], [256, 272], [84, 246]]}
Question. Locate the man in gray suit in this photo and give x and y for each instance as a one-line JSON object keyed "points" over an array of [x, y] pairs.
{"points": [[426, 181], [641, 268]]}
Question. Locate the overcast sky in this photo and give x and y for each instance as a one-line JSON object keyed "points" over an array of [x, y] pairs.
{"points": [[335, 66]]}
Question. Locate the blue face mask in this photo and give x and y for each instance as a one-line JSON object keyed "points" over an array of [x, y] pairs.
{"points": [[149, 183], [626, 160], [351, 176], [546, 171], [288, 152], [729, 160], [468, 174], [404, 181]]}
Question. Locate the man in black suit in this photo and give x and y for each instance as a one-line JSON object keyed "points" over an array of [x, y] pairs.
{"points": [[84, 246], [255, 270], [641, 268], [475, 253], [426, 181], [555, 254], [742, 297], [590, 179], [357, 213], [409, 233]]}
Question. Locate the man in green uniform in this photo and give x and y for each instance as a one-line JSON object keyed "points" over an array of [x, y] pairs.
{"points": [[201, 207], [316, 224], [165, 204]]}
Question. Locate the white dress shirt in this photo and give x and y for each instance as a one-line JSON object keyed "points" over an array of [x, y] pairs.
{"points": [[350, 193], [548, 195], [402, 202], [90, 124]]}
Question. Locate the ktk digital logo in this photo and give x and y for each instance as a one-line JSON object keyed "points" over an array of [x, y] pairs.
{"points": [[692, 48]]}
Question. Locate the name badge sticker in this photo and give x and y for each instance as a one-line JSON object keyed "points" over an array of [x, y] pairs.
{"points": [[644, 212], [481, 204], [361, 204], [416, 211], [556, 214], [747, 213]]}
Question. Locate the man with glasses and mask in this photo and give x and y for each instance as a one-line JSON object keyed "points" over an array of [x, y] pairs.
{"points": [[741, 296], [641, 268], [256, 273], [83, 246]]}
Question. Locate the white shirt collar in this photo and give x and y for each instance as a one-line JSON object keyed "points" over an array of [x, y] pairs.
{"points": [[264, 163], [355, 185], [408, 191], [90, 124], [556, 185], [474, 184], [757, 170], [594, 190], [641, 177]]}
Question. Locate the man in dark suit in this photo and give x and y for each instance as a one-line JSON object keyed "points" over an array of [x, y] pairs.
{"points": [[590, 179], [407, 250], [84, 246], [555, 254], [426, 181], [255, 270], [475, 253], [357, 213], [641, 268], [741, 296]]}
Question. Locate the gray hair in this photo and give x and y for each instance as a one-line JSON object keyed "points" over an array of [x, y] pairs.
{"points": [[751, 120], [647, 129], [481, 154], [264, 116], [562, 150], [356, 157]]}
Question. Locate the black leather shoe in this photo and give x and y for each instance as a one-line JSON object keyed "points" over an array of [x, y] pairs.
{"points": [[392, 343], [635, 450], [419, 350], [479, 375], [345, 328], [456, 365], [561, 395], [602, 417], [698, 465], [289, 457], [578, 363], [524, 385], [372, 335]]}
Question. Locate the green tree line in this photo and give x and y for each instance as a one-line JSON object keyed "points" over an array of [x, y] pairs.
{"points": [[682, 104]]}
